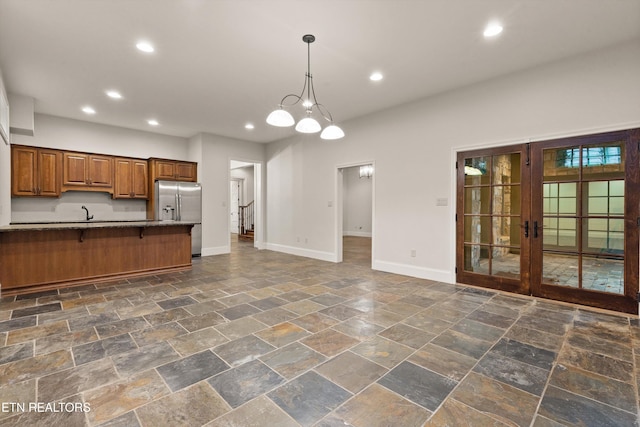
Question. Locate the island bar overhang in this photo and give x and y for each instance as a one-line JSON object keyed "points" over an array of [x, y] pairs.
{"points": [[35, 257]]}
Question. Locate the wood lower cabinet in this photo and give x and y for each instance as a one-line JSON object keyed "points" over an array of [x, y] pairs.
{"points": [[131, 179], [35, 171], [42, 259], [91, 172]]}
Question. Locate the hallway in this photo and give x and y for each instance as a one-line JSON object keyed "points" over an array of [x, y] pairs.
{"points": [[257, 338]]}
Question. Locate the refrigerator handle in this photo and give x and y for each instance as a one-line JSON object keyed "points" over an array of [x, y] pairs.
{"points": [[179, 207], [177, 213]]}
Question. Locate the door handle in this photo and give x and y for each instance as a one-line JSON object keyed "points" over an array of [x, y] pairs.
{"points": [[526, 229], [535, 228]]}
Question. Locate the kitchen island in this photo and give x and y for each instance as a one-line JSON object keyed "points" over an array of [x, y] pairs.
{"points": [[45, 256]]}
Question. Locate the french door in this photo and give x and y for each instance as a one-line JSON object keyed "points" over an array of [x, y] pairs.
{"points": [[492, 213], [556, 219]]}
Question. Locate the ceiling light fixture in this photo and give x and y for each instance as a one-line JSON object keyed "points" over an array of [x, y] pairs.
{"points": [[492, 30], [145, 47], [114, 94], [282, 118], [473, 171], [366, 171], [153, 122], [376, 76], [249, 126], [88, 110]]}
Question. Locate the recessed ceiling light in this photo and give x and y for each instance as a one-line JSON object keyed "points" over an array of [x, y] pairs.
{"points": [[114, 94], [376, 77], [492, 30], [249, 126], [88, 110], [153, 122], [145, 47]]}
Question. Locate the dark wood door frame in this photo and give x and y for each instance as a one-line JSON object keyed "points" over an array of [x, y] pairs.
{"points": [[530, 281], [628, 302]]}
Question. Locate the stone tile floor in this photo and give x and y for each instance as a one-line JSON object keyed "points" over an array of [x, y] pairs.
{"points": [[598, 274], [258, 338]]}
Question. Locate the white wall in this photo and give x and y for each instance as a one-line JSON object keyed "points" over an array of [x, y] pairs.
{"points": [[356, 206], [414, 146], [5, 175], [68, 207], [69, 134], [246, 175], [216, 153]]}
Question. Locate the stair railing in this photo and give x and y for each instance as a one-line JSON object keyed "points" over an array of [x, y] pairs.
{"points": [[246, 218]]}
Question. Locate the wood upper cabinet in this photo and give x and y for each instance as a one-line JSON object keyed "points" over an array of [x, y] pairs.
{"points": [[186, 171], [131, 179], [174, 170], [90, 171], [45, 172], [35, 171], [170, 170]]}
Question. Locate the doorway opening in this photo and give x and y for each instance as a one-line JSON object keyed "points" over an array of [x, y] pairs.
{"points": [[245, 204], [354, 240], [235, 201]]}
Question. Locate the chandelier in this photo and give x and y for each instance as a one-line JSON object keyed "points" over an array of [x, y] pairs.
{"points": [[282, 118]]}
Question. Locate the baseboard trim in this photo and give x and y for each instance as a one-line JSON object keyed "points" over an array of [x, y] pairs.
{"points": [[357, 233], [414, 271], [308, 253], [218, 250]]}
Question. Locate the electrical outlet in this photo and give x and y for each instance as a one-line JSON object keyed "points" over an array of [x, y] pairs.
{"points": [[413, 253]]}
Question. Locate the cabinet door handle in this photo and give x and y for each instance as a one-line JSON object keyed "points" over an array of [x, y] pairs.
{"points": [[535, 228], [526, 229]]}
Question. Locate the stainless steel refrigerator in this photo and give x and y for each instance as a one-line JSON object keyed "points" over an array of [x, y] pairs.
{"points": [[181, 201]]}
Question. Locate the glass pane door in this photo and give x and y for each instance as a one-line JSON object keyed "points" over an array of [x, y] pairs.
{"points": [[583, 217], [490, 225], [557, 219], [579, 197]]}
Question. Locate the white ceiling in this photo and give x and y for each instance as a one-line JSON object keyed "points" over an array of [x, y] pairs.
{"points": [[221, 63]]}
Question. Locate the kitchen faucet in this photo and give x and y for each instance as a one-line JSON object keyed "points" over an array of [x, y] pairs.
{"points": [[88, 217]]}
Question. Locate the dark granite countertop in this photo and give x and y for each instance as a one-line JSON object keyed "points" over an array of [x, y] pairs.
{"points": [[84, 225]]}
